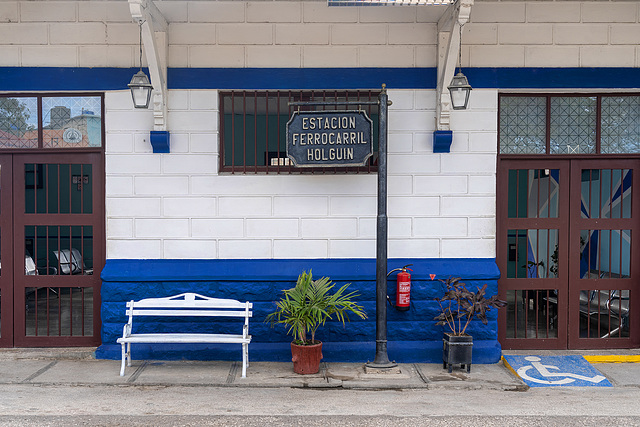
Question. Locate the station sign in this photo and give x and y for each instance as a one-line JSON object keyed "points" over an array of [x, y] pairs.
{"points": [[329, 138]]}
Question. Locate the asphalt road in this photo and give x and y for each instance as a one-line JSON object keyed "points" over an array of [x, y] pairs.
{"points": [[42, 405]]}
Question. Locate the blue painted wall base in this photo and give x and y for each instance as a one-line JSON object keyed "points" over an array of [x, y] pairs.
{"points": [[412, 335]]}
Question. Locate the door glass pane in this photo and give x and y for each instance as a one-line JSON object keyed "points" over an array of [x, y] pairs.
{"points": [[620, 118], [18, 122], [58, 250], [532, 313], [59, 311], [604, 313], [605, 254], [58, 188], [606, 193], [573, 125], [532, 254], [72, 121], [533, 193], [523, 124]]}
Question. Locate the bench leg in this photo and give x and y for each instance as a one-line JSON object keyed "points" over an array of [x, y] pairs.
{"points": [[124, 356], [245, 359]]}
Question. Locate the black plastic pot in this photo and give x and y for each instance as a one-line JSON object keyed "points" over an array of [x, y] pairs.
{"points": [[456, 350]]}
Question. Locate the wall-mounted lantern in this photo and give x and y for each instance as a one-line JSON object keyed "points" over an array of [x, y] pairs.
{"points": [[140, 85], [459, 88]]}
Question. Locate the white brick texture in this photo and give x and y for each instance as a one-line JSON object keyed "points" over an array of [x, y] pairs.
{"points": [[311, 34], [177, 205]]}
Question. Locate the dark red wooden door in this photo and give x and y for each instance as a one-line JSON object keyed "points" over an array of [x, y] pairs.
{"points": [[56, 252], [564, 248]]}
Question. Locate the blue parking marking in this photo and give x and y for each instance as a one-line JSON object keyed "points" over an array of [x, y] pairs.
{"points": [[556, 371]]}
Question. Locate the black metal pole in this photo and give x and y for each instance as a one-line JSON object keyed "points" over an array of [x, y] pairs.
{"points": [[382, 359]]}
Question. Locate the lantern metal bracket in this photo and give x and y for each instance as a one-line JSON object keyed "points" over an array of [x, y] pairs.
{"points": [[155, 42], [449, 25]]}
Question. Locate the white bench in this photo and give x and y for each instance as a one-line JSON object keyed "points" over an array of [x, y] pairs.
{"points": [[186, 305]]}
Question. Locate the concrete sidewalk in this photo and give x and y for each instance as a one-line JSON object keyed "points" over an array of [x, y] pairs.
{"points": [[78, 367]]}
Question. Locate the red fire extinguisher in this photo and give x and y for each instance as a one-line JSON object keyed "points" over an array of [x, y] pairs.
{"points": [[403, 288]]}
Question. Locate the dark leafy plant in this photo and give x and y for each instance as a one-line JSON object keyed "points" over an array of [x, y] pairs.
{"points": [[307, 306], [459, 306]]}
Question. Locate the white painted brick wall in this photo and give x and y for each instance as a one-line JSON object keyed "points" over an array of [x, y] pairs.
{"points": [[311, 34], [9, 12], [299, 248], [78, 33], [190, 249], [259, 11]]}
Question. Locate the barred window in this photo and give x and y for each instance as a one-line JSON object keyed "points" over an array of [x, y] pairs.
{"points": [[253, 128], [569, 124], [51, 121]]}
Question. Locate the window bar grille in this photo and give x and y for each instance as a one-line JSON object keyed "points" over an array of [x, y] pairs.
{"points": [[59, 249], [36, 309], [266, 113], [537, 309], [526, 312], [81, 186], [548, 312], [255, 134], [70, 309], [70, 171], [278, 132], [233, 132], [244, 131]]}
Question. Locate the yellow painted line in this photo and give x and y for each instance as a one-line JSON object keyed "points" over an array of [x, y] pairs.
{"points": [[509, 367], [613, 358]]}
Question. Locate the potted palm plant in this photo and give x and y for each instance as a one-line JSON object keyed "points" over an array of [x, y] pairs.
{"points": [[306, 307], [458, 307]]}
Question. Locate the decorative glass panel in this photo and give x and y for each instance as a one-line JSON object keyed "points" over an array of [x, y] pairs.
{"points": [[605, 254], [573, 125], [72, 122], [18, 123], [533, 193], [606, 193], [620, 121], [523, 124], [532, 254], [532, 313], [604, 313]]}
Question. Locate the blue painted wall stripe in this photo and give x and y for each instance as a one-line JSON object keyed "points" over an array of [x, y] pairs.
{"points": [[24, 79], [302, 78]]}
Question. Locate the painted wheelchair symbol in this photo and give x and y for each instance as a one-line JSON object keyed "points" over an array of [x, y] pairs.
{"points": [[543, 370]]}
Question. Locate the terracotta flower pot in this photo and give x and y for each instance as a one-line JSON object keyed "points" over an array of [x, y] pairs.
{"points": [[306, 358]]}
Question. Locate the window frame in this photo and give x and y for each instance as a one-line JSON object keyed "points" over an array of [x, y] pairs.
{"points": [[548, 96], [290, 95], [40, 121]]}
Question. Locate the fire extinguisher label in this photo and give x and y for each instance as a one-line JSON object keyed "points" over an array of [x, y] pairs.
{"points": [[403, 293]]}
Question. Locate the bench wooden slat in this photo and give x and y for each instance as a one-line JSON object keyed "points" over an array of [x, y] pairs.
{"points": [[186, 313], [184, 338]]}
